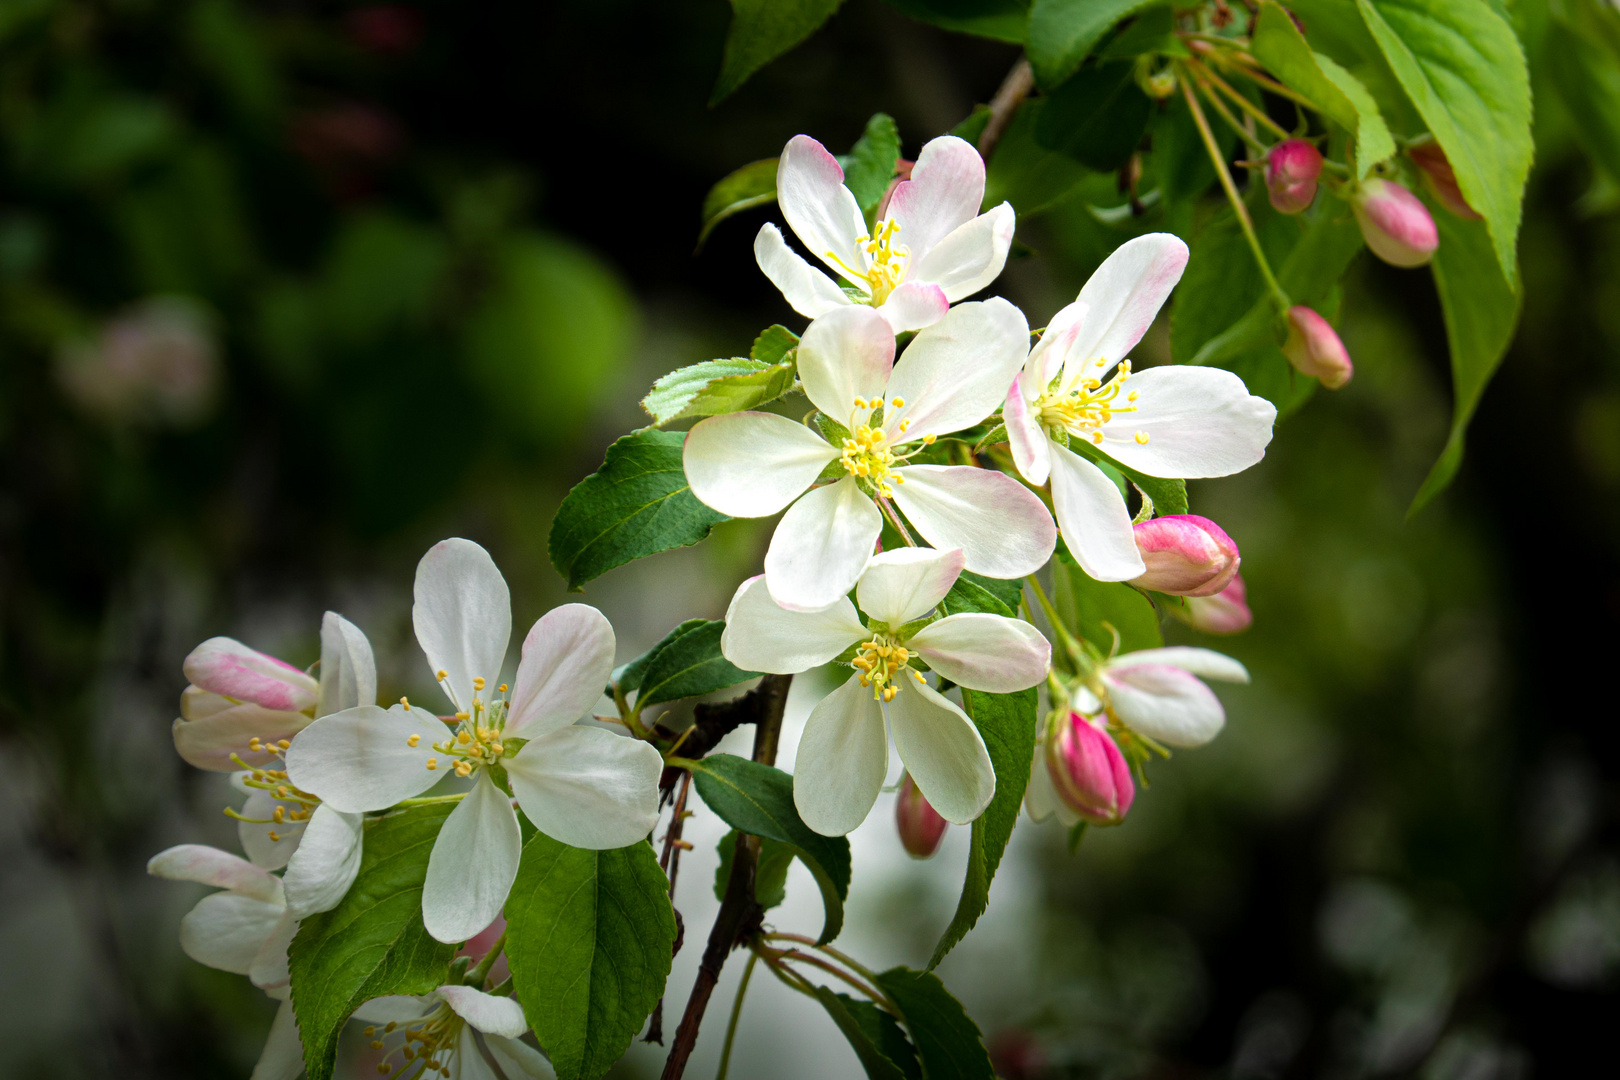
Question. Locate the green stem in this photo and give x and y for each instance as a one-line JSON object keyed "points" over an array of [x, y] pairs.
{"points": [[478, 974], [680, 763], [1242, 102], [1248, 137], [432, 800], [894, 519], [736, 1014]]}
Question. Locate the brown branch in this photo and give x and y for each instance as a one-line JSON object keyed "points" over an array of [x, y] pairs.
{"points": [[1014, 89], [711, 722], [670, 863]]}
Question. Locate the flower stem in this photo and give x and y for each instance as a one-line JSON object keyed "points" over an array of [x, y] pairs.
{"points": [[481, 972], [1206, 75], [736, 1013], [894, 519], [432, 800]]}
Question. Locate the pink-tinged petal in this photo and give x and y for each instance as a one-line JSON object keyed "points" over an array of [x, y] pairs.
{"points": [[473, 864], [588, 787], [761, 635], [984, 652], [821, 546], [942, 751], [486, 1012], [806, 289], [752, 464], [1025, 437], [365, 759], [1227, 612], [1206, 663], [914, 305], [842, 759], [1001, 526], [348, 669], [1095, 521], [945, 191], [819, 208], [463, 617], [1186, 555], [1088, 772], [211, 866], [907, 583], [227, 667], [971, 257], [844, 355], [956, 372], [211, 729], [1124, 296], [1050, 354], [326, 862], [567, 661], [226, 930], [1165, 703], [1197, 422]]}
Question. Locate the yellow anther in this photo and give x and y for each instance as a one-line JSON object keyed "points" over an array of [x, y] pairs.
{"points": [[463, 769], [281, 791], [463, 738], [441, 674], [254, 744], [279, 815], [478, 682], [501, 688], [928, 440], [861, 403], [413, 740], [1141, 438], [390, 1028], [283, 744], [497, 749], [898, 402], [1133, 395], [371, 1029], [274, 837], [405, 702], [432, 763], [376, 1044], [903, 425], [384, 1068], [462, 715], [888, 693]]}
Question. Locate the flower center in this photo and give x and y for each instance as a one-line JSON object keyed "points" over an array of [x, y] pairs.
{"points": [[1086, 407], [477, 741], [880, 662], [293, 806], [869, 455], [886, 261], [424, 1046]]}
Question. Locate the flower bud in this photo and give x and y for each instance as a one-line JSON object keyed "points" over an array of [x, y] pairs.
{"points": [[1439, 178], [1227, 612], [1395, 223], [230, 669], [1089, 772], [921, 827], [1292, 167], [1314, 349], [1186, 555]]}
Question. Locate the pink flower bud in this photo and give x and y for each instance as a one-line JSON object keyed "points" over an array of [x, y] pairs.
{"points": [[1227, 612], [230, 669], [1292, 167], [1314, 349], [1186, 555], [1395, 223], [1089, 772], [921, 827], [1439, 178]]}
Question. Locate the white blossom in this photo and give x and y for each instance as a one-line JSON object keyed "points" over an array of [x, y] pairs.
{"points": [[433, 1033]]}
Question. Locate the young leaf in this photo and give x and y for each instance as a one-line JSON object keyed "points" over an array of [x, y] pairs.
{"points": [[629, 676], [690, 666], [999, 20], [717, 386], [589, 941], [637, 504], [1097, 117], [875, 1036], [1481, 312], [870, 165], [1099, 609], [774, 344], [743, 189], [975, 593], [1461, 64], [1062, 33], [947, 1040], [758, 799], [373, 943], [762, 30], [770, 875]]}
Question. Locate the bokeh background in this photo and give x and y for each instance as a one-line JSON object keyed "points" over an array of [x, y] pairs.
{"points": [[290, 290]]}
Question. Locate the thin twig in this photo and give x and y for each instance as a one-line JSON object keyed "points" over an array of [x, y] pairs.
{"points": [[670, 863], [1014, 89]]}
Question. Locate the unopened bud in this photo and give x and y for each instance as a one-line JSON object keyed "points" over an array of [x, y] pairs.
{"points": [[1089, 772], [1439, 178], [921, 827], [1227, 612], [1395, 223], [1314, 349], [1186, 555], [1292, 167]]}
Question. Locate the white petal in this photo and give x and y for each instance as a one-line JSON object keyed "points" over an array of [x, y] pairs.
{"points": [[473, 864], [486, 1012], [466, 1063], [269, 968], [945, 191], [395, 1009], [844, 355], [1002, 527], [806, 289], [463, 617], [267, 854], [211, 866], [567, 660], [821, 210], [326, 862], [971, 257], [906, 583], [283, 1056], [1165, 703], [1205, 662], [518, 1059], [1025, 436], [956, 372], [1047, 358], [588, 787], [362, 759], [821, 546], [1041, 798], [211, 729], [761, 635], [1095, 521], [1199, 421], [842, 759], [1124, 295], [751, 464], [984, 652], [914, 305], [348, 669], [227, 667], [943, 752], [226, 930]]}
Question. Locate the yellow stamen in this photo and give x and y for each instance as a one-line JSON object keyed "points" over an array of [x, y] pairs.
{"points": [[413, 740], [432, 763]]}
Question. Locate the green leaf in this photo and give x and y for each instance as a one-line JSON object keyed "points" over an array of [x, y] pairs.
{"points": [[870, 165], [770, 875], [715, 387], [1461, 64], [373, 943], [973, 592], [1092, 607], [637, 504], [1062, 33], [999, 20], [1278, 44], [689, 666], [629, 676], [1481, 312], [752, 185], [1585, 37], [1027, 174], [875, 1036], [773, 344], [947, 1040], [758, 799], [1097, 117], [762, 30], [1006, 723], [589, 935]]}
